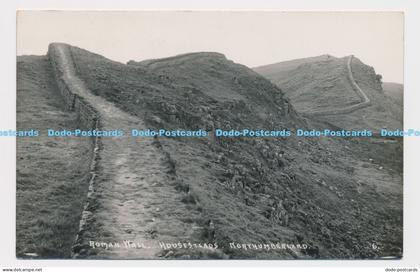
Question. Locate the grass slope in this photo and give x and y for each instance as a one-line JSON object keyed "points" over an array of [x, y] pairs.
{"points": [[320, 192], [322, 83], [51, 183], [395, 91]]}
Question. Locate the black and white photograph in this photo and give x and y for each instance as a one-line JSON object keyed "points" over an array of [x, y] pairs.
{"points": [[196, 135]]}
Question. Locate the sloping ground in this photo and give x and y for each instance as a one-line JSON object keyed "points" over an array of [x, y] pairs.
{"points": [[395, 91], [134, 201], [51, 173], [147, 100], [364, 99], [247, 190], [316, 85], [324, 85]]}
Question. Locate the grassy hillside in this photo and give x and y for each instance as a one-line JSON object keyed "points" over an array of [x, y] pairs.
{"points": [[322, 83], [279, 71], [51, 173], [329, 194]]}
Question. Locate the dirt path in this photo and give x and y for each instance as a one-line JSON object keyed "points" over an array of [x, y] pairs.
{"points": [[364, 99], [135, 198]]}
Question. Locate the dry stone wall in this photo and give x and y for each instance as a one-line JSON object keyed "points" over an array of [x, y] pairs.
{"points": [[74, 102], [89, 119]]}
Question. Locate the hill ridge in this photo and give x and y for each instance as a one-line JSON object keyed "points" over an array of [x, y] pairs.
{"points": [[177, 57]]}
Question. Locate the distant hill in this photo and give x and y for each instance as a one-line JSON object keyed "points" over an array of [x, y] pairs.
{"points": [[322, 83]]}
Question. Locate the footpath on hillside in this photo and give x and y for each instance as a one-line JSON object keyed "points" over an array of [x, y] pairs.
{"points": [[135, 199]]}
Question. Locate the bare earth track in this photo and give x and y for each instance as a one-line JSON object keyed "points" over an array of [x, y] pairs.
{"points": [[132, 186], [337, 196]]}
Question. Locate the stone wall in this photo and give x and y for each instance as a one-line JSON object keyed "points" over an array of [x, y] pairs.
{"points": [[89, 119], [87, 114]]}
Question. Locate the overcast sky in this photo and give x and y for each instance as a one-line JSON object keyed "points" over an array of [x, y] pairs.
{"points": [[250, 38]]}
